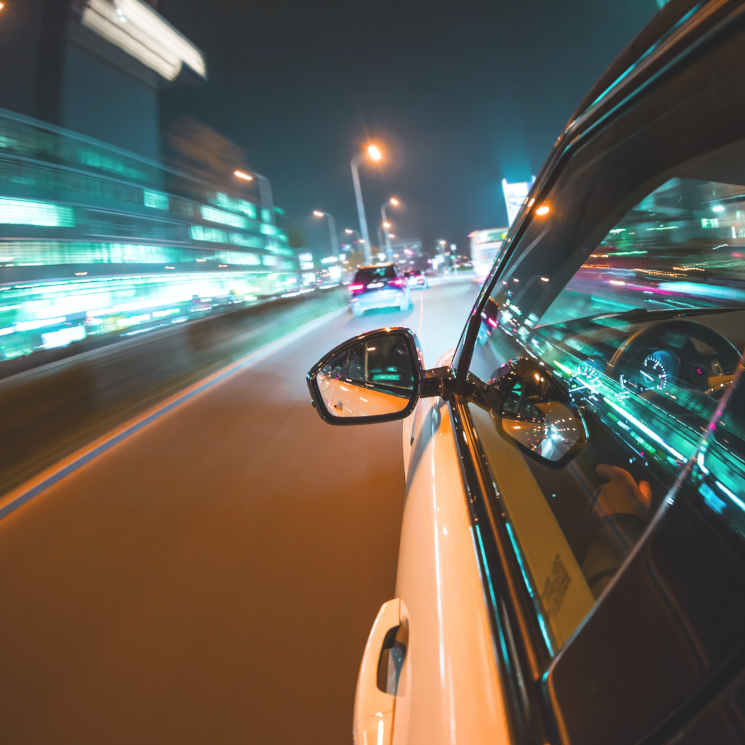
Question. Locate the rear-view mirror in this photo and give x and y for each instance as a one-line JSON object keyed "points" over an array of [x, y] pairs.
{"points": [[374, 377]]}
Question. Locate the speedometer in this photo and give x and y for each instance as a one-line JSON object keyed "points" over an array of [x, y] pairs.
{"points": [[658, 370]]}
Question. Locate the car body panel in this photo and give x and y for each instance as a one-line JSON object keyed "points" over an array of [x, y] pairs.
{"points": [[442, 599]]}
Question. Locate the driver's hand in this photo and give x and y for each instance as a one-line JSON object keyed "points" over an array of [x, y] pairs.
{"points": [[620, 494]]}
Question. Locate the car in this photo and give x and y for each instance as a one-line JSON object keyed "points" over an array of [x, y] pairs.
{"points": [[325, 279], [378, 286], [572, 555], [416, 279]]}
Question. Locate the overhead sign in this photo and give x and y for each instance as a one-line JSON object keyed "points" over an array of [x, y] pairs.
{"points": [[141, 32]]}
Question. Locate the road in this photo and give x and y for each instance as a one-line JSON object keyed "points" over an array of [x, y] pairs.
{"points": [[213, 576]]}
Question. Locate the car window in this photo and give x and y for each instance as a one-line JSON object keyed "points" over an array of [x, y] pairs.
{"points": [[372, 273], [607, 374]]}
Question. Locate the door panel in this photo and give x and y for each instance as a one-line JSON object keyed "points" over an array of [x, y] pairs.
{"points": [[449, 686]]}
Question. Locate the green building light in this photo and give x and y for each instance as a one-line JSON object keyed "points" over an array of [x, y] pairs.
{"points": [[155, 199], [40, 214], [212, 214]]}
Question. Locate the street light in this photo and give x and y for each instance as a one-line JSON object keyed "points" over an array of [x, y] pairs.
{"points": [[265, 188], [386, 223], [357, 240], [319, 215], [375, 154]]}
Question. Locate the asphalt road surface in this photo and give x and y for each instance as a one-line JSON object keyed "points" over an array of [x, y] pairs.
{"points": [[212, 577]]}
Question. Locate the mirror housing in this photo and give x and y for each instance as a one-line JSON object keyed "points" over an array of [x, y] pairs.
{"points": [[536, 413], [374, 377]]}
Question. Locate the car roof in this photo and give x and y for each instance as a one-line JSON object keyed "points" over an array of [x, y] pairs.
{"points": [[670, 31]]}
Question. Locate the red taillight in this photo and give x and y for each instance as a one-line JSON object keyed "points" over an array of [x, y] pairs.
{"points": [[354, 289], [398, 282]]}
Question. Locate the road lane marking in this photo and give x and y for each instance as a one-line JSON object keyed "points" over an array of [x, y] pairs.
{"points": [[24, 493]]}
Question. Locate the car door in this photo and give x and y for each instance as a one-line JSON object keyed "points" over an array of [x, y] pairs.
{"points": [[599, 410]]}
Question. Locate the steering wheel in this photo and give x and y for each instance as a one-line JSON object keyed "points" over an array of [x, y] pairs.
{"points": [[681, 351]]}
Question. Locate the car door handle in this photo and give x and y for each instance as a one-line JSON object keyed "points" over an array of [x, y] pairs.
{"points": [[373, 708]]}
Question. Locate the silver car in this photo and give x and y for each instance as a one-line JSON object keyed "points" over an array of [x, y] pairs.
{"points": [[378, 286]]}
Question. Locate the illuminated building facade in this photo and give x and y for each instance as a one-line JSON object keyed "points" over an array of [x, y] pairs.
{"points": [[88, 245], [94, 66], [97, 238]]}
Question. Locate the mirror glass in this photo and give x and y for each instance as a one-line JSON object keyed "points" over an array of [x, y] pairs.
{"points": [[536, 414], [372, 377]]}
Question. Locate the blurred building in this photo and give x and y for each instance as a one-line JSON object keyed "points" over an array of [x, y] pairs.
{"points": [[94, 66], [97, 237]]}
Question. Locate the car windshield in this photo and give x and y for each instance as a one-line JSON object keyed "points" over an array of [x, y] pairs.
{"points": [[368, 274]]}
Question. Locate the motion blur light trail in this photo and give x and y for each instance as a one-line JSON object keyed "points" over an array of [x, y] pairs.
{"points": [[96, 240], [52, 410], [21, 495]]}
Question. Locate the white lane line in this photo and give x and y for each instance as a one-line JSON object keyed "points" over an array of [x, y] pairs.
{"points": [[52, 475]]}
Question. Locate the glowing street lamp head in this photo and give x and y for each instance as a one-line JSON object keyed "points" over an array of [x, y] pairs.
{"points": [[2, 6], [394, 202], [374, 152], [242, 175], [543, 210], [318, 214], [387, 225], [348, 231]]}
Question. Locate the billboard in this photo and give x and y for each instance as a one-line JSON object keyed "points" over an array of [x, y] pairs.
{"points": [[514, 196]]}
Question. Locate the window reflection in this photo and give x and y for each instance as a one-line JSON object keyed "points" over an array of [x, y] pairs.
{"points": [[645, 340]]}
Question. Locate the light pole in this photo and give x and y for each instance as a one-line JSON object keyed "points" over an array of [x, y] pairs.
{"points": [[319, 214], [266, 198], [374, 153], [385, 222]]}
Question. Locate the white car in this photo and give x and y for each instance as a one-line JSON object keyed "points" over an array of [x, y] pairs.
{"points": [[572, 556], [378, 286], [416, 279]]}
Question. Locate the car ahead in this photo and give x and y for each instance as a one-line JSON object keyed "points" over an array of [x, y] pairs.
{"points": [[378, 286], [416, 279], [572, 557]]}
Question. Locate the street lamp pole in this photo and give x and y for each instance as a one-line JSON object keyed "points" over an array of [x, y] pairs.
{"points": [[375, 154], [334, 236], [393, 202], [266, 198], [354, 165], [265, 195], [383, 223]]}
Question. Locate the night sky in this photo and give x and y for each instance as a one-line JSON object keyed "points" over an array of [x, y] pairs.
{"points": [[458, 100]]}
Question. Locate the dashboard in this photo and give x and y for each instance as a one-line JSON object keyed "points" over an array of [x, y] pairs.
{"points": [[682, 361], [678, 354]]}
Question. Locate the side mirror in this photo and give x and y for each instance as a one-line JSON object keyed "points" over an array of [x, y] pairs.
{"points": [[375, 377], [537, 413]]}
